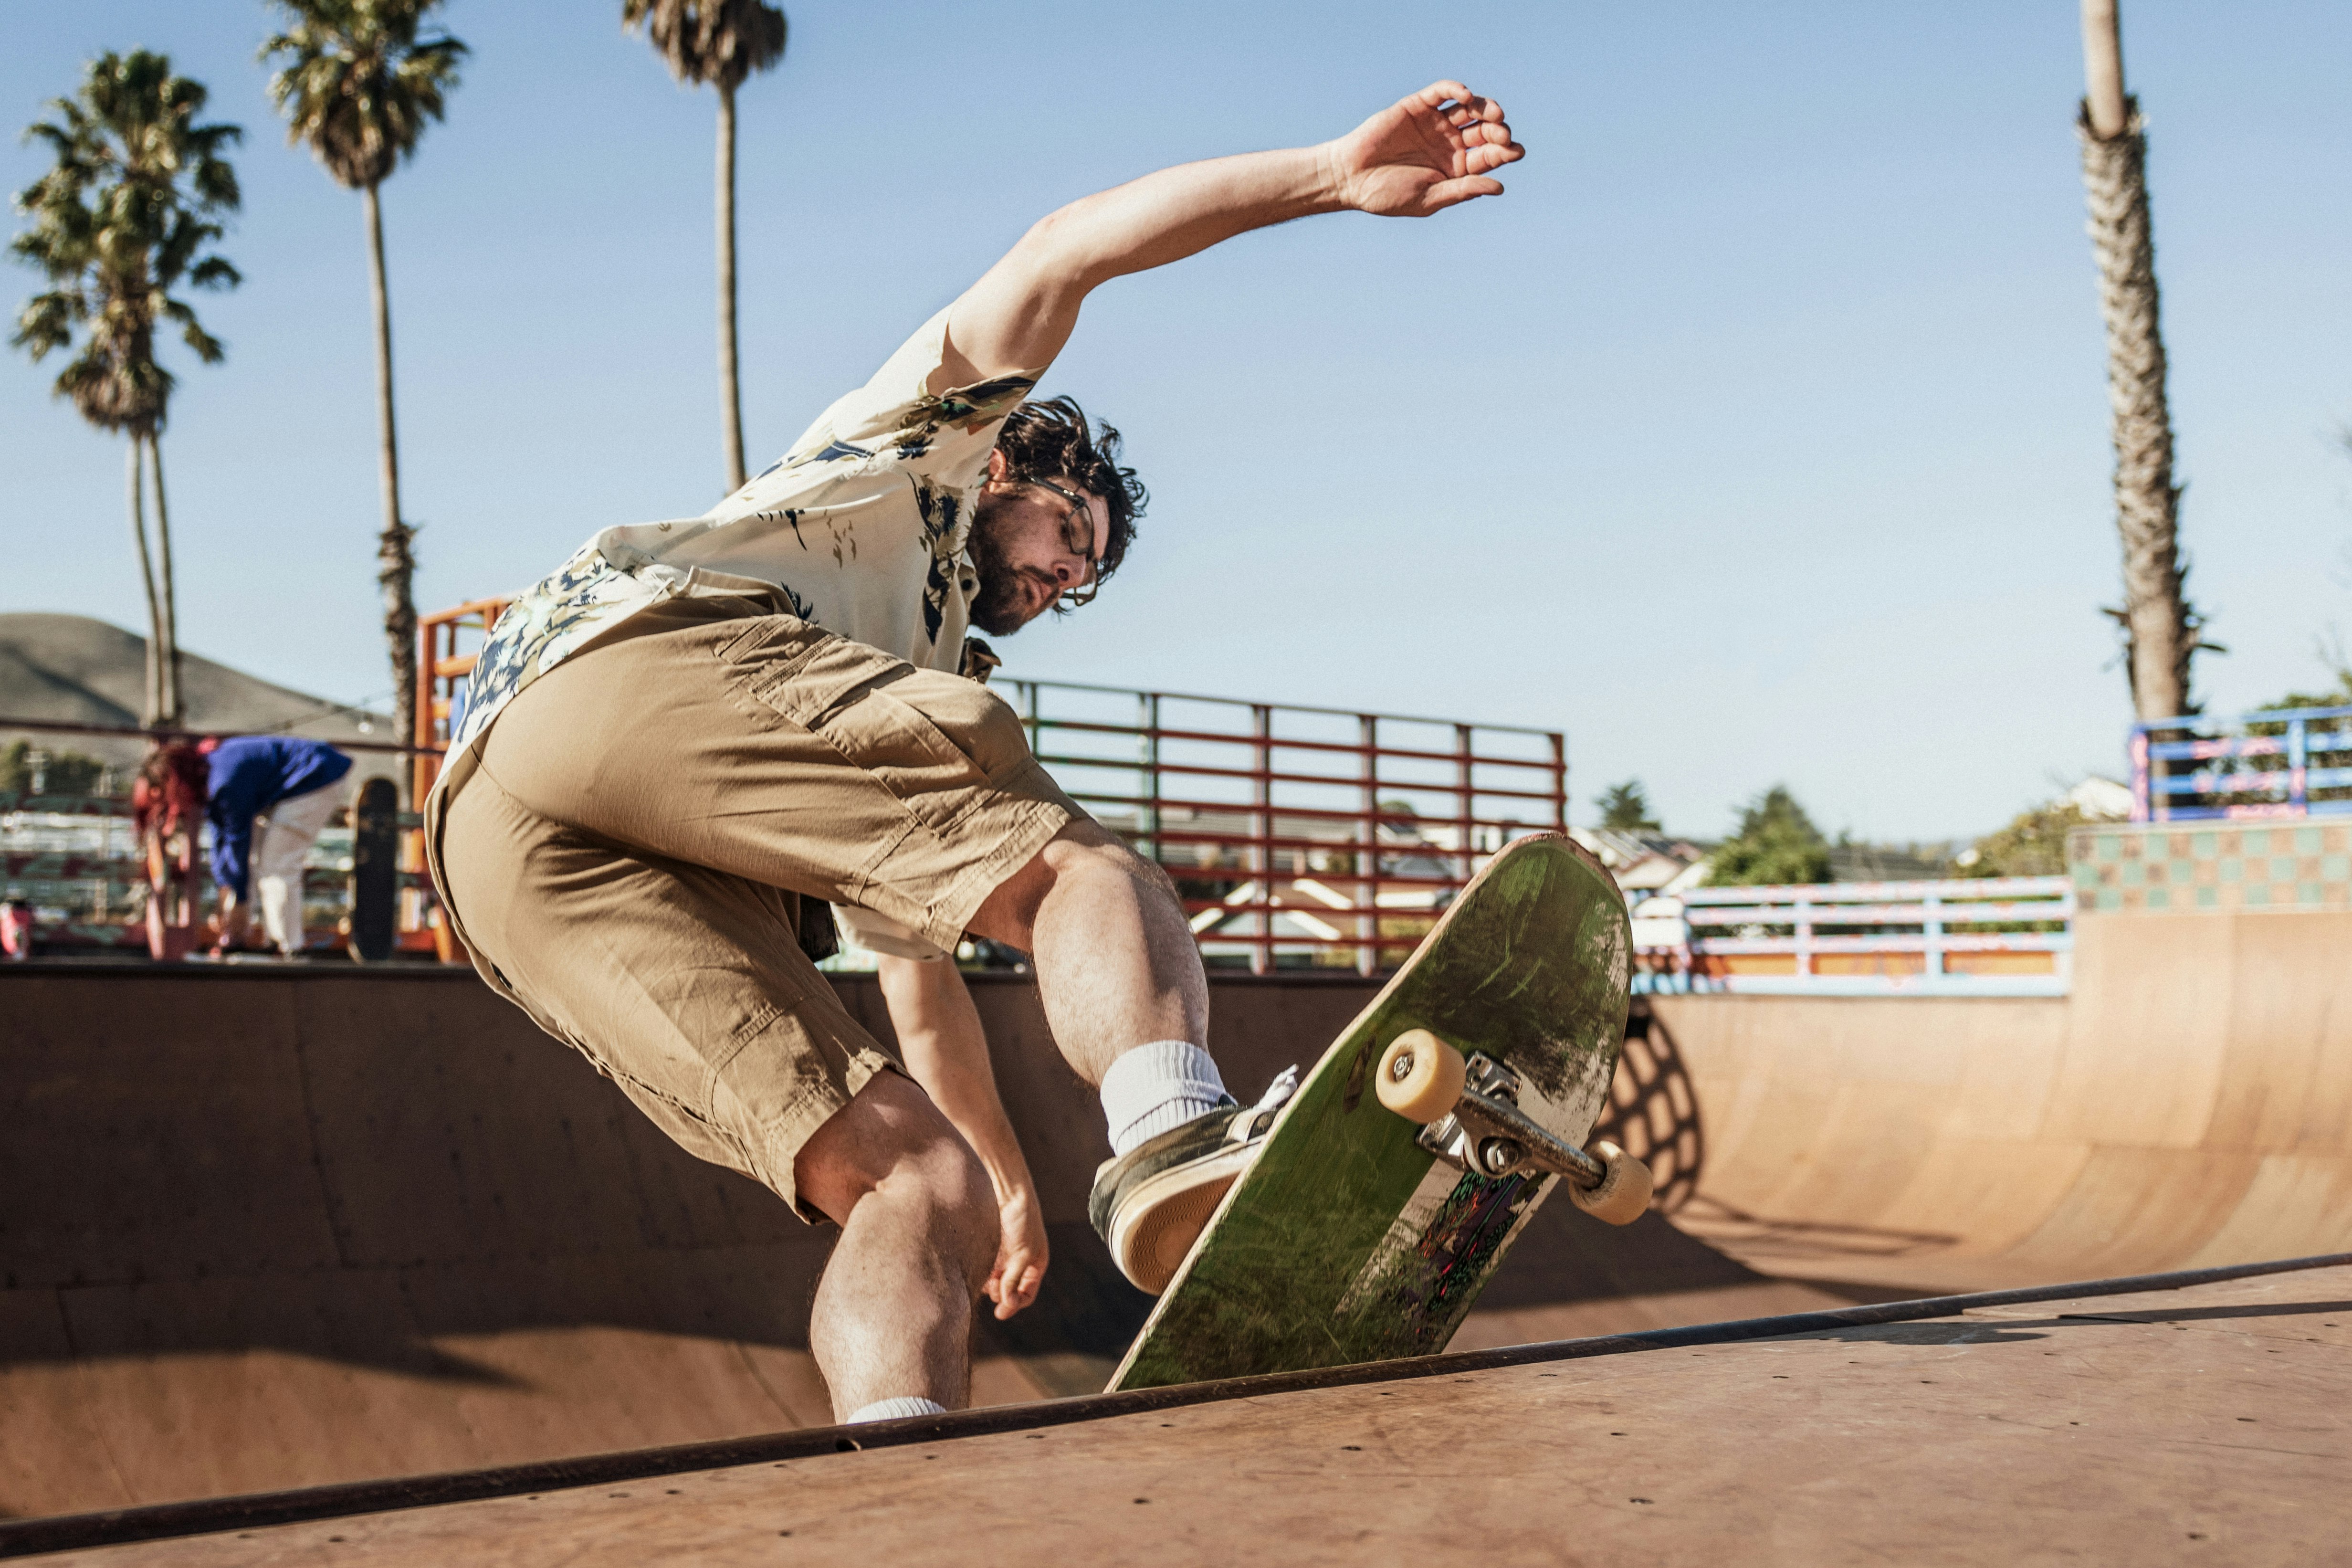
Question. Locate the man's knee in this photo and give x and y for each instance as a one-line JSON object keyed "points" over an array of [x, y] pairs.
{"points": [[890, 1136], [1080, 852]]}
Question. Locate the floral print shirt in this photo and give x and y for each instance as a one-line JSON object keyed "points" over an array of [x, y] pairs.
{"points": [[864, 525]]}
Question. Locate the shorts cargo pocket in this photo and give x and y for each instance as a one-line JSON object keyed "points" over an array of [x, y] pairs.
{"points": [[981, 724], [858, 698], [898, 745]]}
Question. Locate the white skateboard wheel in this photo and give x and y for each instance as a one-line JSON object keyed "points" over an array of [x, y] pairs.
{"points": [[1421, 1076], [1623, 1194]]}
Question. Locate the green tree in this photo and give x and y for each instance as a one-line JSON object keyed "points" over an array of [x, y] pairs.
{"points": [[2033, 845], [125, 216], [1625, 808], [2337, 696], [720, 42], [1777, 843], [357, 84]]}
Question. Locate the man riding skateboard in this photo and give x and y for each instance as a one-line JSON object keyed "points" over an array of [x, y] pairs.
{"points": [[693, 726]]}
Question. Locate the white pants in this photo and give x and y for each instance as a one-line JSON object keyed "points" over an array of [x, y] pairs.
{"points": [[283, 837]]}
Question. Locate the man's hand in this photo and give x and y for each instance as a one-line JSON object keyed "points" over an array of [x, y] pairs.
{"points": [[941, 1040], [1019, 1253], [1429, 152]]}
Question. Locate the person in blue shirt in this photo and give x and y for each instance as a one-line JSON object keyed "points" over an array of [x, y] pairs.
{"points": [[269, 797]]}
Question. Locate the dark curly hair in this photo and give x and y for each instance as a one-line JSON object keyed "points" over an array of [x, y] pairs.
{"points": [[1046, 439]]}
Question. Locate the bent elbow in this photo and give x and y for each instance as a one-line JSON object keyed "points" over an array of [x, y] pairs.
{"points": [[1062, 250]]}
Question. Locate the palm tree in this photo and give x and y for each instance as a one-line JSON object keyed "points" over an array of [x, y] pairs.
{"points": [[123, 218], [2160, 627], [720, 42], [357, 85]]}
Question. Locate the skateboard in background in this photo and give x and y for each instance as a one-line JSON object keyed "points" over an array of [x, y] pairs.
{"points": [[376, 871]]}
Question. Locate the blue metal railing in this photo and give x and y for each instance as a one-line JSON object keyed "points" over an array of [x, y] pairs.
{"points": [[2245, 767]]}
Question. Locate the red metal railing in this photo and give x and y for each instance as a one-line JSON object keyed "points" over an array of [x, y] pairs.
{"points": [[1297, 835]]}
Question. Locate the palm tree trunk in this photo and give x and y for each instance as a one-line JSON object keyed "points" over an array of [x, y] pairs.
{"points": [[168, 667], [152, 712], [396, 561], [730, 395], [2159, 627]]}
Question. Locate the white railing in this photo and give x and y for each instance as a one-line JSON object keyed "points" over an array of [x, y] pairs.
{"points": [[2009, 936]]}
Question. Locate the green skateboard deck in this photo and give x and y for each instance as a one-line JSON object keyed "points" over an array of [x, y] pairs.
{"points": [[1347, 1241]]}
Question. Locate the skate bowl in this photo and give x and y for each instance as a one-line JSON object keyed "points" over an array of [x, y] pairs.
{"points": [[2189, 1105], [262, 1229], [265, 1227]]}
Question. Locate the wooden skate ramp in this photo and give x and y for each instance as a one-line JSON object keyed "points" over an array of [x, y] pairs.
{"points": [[263, 1228], [2200, 1421], [2190, 1104]]}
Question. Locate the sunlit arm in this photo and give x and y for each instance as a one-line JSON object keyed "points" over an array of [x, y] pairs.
{"points": [[1430, 151]]}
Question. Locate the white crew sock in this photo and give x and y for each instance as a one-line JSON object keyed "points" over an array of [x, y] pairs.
{"points": [[1156, 1087], [894, 1409]]}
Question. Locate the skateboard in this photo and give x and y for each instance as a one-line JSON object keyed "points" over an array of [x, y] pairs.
{"points": [[376, 871], [1397, 1176]]}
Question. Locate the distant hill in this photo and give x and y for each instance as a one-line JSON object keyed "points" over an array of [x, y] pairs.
{"points": [[73, 670]]}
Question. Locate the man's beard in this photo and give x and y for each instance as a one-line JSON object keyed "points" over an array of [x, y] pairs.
{"points": [[1002, 606]]}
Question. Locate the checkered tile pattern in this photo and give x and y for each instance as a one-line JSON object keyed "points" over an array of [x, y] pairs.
{"points": [[2160, 866]]}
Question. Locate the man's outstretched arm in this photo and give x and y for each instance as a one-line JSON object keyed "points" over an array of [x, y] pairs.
{"points": [[1432, 151]]}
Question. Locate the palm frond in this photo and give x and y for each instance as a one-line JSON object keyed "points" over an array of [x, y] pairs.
{"points": [[207, 347], [47, 322]]}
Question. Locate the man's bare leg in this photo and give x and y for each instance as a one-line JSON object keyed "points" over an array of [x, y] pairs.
{"points": [[1116, 964], [1125, 996], [1116, 968], [919, 1226]]}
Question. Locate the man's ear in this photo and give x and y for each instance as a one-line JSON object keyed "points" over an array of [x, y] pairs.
{"points": [[996, 465]]}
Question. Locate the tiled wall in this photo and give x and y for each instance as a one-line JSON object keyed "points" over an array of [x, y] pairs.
{"points": [[2162, 867]]}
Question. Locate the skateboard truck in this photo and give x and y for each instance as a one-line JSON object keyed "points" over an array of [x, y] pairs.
{"points": [[1470, 1117]]}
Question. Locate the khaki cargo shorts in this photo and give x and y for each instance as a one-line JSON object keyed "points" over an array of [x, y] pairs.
{"points": [[625, 851]]}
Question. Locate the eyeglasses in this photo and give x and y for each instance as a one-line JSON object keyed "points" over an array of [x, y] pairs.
{"points": [[1078, 538]]}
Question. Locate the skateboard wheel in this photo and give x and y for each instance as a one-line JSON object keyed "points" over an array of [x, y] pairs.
{"points": [[1623, 1194], [1421, 1076]]}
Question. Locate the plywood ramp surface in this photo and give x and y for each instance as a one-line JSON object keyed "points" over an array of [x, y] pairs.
{"points": [[268, 1229], [2210, 1425], [2189, 1104], [260, 1231]]}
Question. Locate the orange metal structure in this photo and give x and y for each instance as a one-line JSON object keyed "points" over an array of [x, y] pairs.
{"points": [[448, 643]]}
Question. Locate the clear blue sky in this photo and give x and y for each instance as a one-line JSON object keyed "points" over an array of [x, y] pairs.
{"points": [[1759, 433]]}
